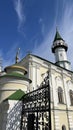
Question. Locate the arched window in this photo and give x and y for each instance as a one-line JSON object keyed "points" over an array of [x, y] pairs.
{"points": [[60, 95], [63, 127], [71, 97]]}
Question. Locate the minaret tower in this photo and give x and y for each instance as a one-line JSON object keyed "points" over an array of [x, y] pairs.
{"points": [[59, 48]]}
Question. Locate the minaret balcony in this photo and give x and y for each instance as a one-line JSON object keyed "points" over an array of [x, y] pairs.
{"points": [[59, 43]]}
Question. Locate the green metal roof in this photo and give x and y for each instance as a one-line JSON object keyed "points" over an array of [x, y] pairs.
{"points": [[57, 36], [16, 96]]}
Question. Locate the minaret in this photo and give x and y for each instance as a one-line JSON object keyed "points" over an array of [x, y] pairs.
{"points": [[59, 48]]}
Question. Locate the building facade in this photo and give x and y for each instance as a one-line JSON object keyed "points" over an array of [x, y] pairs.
{"points": [[60, 79]]}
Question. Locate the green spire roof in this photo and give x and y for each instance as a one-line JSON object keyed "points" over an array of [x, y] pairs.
{"points": [[57, 36], [16, 96]]}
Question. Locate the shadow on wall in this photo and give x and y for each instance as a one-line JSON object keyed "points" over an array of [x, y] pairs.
{"points": [[11, 120], [14, 117], [4, 106]]}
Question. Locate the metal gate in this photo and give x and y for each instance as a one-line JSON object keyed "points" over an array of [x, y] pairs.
{"points": [[36, 110]]}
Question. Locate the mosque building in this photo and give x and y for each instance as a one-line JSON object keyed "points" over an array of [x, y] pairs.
{"points": [[28, 74]]}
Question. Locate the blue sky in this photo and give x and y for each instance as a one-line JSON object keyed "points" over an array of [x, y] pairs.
{"points": [[31, 25]]}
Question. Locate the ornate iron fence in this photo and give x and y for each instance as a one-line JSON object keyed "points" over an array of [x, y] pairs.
{"points": [[36, 109]]}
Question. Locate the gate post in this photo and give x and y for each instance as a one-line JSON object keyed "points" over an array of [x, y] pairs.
{"points": [[22, 114], [37, 121], [49, 91]]}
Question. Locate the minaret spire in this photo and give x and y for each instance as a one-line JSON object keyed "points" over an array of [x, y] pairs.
{"points": [[59, 48], [0, 64], [17, 56], [57, 36]]}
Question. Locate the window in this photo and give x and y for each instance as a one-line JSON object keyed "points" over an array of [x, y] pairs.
{"points": [[60, 95], [71, 97], [63, 127], [61, 54]]}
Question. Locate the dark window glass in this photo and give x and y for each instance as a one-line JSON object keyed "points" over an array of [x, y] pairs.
{"points": [[71, 97], [60, 95], [63, 127]]}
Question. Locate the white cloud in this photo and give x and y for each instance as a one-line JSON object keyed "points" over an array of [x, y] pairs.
{"points": [[40, 20], [9, 57], [65, 27], [44, 49], [18, 6], [42, 26]]}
